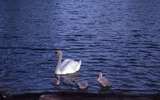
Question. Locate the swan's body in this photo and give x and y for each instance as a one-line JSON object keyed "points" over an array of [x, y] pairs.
{"points": [[103, 80], [68, 66]]}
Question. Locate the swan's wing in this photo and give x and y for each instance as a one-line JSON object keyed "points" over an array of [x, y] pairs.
{"points": [[70, 66], [78, 65], [64, 64]]}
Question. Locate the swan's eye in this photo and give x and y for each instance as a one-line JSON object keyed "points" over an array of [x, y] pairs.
{"points": [[56, 52]]}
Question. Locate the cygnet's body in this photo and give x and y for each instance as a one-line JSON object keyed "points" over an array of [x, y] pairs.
{"points": [[83, 85], [103, 81]]}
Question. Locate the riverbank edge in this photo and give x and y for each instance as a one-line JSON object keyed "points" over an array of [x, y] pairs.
{"points": [[80, 96]]}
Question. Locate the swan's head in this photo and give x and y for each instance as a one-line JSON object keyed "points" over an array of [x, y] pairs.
{"points": [[58, 52]]}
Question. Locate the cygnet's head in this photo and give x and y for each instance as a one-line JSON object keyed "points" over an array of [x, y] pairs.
{"points": [[100, 75], [57, 81]]}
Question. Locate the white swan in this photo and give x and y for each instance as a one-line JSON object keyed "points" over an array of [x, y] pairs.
{"points": [[68, 66]]}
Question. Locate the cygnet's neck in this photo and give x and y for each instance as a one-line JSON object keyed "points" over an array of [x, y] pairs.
{"points": [[100, 76]]}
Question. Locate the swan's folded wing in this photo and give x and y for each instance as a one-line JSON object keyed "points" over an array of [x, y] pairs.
{"points": [[70, 66], [64, 64], [78, 64]]}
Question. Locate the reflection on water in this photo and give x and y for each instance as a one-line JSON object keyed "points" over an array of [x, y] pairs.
{"points": [[119, 38], [70, 79]]}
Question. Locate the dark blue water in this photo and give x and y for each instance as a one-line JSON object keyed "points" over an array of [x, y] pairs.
{"points": [[121, 38]]}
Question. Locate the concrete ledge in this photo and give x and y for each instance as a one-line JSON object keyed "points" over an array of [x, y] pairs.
{"points": [[80, 96]]}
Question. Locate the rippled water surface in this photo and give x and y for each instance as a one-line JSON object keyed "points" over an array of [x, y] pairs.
{"points": [[119, 37]]}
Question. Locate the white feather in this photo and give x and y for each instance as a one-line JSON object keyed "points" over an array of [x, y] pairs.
{"points": [[68, 66]]}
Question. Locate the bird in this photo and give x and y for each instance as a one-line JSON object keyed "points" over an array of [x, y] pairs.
{"points": [[56, 81], [68, 66], [103, 81], [82, 85]]}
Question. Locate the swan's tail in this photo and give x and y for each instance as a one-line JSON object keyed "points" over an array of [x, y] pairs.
{"points": [[79, 65]]}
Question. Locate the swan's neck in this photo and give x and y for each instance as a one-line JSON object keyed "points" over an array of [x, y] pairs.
{"points": [[59, 59]]}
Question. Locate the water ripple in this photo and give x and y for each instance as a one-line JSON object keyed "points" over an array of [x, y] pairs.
{"points": [[120, 38]]}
